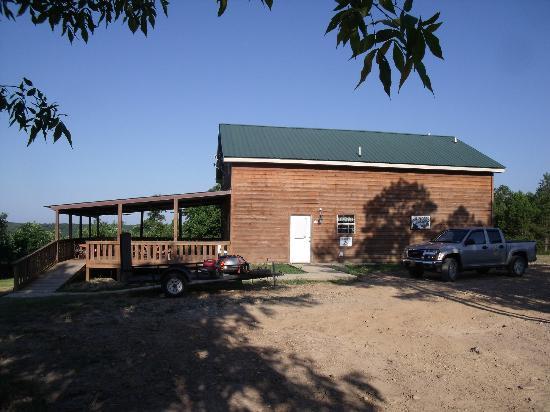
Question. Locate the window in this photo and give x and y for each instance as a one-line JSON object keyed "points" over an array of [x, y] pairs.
{"points": [[478, 237], [494, 236], [451, 236], [346, 224]]}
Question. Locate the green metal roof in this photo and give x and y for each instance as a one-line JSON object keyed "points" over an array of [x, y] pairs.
{"points": [[267, 142]]}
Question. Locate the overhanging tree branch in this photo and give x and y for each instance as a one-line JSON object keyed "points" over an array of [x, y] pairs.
{"points": [[354, 20]]}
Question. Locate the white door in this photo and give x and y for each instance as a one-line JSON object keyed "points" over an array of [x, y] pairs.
{"points": [[300, 239]]}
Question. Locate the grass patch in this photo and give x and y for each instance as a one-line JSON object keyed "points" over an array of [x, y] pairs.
{"points": [[361, 270], [262, 283], [344, 282], [6, 285], [284, 268]]}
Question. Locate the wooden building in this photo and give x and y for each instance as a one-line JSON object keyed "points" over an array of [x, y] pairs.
{"points": [[296, 195], [316, 195]]}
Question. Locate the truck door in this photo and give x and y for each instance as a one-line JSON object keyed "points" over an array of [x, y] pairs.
{"points": [[497, 247], [476, 252]]}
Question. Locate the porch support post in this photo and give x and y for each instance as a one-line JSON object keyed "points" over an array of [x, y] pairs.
{"points": [[57, 225], [176, 220], [119, 227], [180, 228], [89, 227], [141, 224], [57, 235], [225, 223], [80, 227], [97, 226], [70, 226]]}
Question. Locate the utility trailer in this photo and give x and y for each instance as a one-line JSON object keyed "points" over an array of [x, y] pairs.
{"points": [[176, 279]]}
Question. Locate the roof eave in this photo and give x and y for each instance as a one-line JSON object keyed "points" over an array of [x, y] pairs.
{"points": [[362, 164]]}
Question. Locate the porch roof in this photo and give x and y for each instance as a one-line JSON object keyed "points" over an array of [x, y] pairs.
{"points": [[141, 204]]}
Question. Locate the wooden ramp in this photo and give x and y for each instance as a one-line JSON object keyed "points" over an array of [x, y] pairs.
{"points": [[51, 280]]}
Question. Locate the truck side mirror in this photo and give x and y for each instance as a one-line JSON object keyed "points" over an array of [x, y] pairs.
{"points": [[469, 242]]}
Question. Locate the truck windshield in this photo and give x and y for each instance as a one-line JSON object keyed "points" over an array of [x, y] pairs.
{"points": [[451, 236]]}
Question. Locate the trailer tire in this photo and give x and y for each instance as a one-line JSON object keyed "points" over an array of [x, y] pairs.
{"points": [[517, 266], [449, 269], [174, 284]]}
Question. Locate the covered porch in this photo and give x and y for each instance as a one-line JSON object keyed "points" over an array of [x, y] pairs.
{"points": [[124, 252]]}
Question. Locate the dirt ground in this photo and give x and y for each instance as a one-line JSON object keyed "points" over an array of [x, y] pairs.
{"points": [[384, 342]]}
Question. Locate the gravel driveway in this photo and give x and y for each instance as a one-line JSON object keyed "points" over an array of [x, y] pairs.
{"points": [[383, 341]]}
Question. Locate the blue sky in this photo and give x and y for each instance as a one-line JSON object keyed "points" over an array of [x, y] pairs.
{"points": [[144, 112]]}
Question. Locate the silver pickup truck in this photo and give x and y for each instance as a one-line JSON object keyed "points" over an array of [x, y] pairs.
{"points": [[475, 248]]}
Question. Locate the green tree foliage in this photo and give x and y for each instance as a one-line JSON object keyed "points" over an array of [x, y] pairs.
{"points": [[202, 222], [370, 27], [524, 215], [154, 226], [28, 238], [5, 239], [542, 201], [108, 229]]}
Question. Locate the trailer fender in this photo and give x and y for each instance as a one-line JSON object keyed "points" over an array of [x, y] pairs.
{"points": [[179, 270]]}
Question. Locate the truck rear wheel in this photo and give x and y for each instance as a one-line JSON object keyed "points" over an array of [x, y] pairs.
{"points": [[449, 269], [517, 266], [174, 284]]}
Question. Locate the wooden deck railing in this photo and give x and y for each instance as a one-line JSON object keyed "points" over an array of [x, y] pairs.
{"points": [[163, 252], [103, 254], [31, 266]]}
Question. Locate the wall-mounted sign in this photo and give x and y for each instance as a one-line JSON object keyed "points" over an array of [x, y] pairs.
{"points": [[346, 241], [420, 222]]}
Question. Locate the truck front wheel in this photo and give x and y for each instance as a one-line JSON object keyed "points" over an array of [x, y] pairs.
{"points": [[449, 269], [517, 266]]}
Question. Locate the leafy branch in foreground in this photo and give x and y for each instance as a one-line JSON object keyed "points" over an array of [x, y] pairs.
{"points": [[373, 27], [29, 108], [82, 17]]}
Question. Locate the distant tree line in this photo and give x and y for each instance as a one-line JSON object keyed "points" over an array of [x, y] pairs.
{"points": [[525, 215]]}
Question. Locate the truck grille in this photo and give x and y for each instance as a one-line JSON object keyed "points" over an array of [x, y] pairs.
{"points": [[416, 253], [420, 254]]}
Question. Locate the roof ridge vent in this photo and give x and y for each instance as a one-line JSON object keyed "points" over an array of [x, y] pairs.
{"points": [[455, 140], [359, 151]]}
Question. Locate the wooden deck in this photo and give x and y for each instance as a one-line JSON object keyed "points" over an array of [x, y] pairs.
{"points": [[51, 280], [103, 254]]}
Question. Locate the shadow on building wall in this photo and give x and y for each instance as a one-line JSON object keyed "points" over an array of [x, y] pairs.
{"points": [[386, 227], [387, 219]]}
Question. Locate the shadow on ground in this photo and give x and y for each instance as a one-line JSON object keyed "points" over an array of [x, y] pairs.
{"points": [[146, 352], [495, 292]]}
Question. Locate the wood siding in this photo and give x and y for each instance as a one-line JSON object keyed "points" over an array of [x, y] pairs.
{"points": [[265, 196]]}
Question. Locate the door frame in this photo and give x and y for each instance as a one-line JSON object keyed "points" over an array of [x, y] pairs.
{"points": [[310, 234]]}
